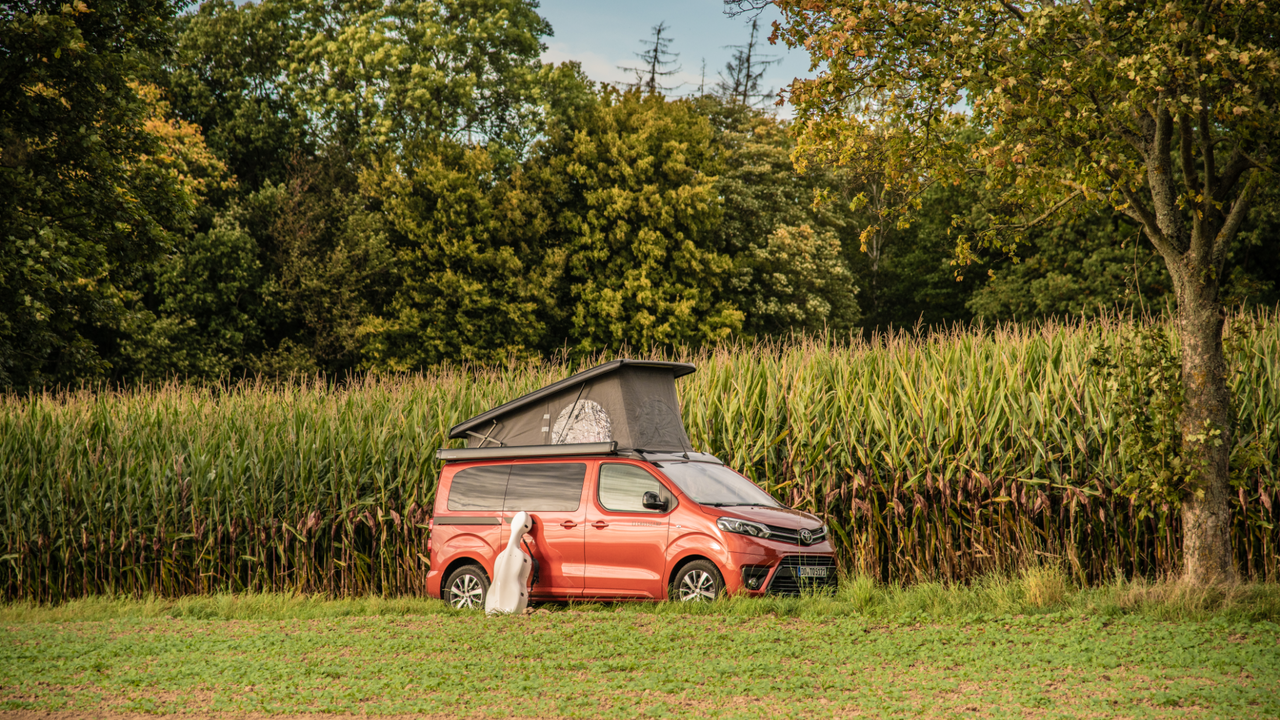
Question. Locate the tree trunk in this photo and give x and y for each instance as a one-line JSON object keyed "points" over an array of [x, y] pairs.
{"points": [[1206, 432]]}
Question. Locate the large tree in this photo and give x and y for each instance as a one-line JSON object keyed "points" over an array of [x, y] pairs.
{"points": [[1166, 110], [631, 191], [790, 273], [385, 75], [83, 212], [225, 75]]}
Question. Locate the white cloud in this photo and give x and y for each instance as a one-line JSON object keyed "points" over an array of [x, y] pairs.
{"points": [[596, 66]]}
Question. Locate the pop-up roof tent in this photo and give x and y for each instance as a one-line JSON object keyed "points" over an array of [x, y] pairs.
{"points": [[623, 404]]}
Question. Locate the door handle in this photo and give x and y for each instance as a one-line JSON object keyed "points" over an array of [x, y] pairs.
{"points": [[568, 524], [599, 524]]}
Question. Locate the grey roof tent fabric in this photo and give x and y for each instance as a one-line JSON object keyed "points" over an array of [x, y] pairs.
{"points": [[631, 402]]}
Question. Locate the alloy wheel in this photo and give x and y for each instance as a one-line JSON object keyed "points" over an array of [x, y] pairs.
{"points": [[697, 586], [466, 593]]}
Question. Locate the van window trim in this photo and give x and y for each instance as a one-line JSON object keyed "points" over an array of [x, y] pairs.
{"points": [[467, 520]]}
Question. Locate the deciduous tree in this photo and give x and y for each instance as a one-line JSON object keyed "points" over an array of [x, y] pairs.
{"points": [[630, 189], [78, 223], [225, 75], [1163, 109], [467, 243], [381, 75]]}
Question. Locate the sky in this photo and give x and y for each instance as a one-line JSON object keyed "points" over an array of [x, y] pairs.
{"points": [[606, 34]]}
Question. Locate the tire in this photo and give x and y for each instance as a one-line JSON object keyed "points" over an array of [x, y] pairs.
{"points": [[699, 581], [466, 588]]}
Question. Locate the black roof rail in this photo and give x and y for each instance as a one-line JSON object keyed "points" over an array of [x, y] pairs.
{"points": [[526, 451], [516, 452]]}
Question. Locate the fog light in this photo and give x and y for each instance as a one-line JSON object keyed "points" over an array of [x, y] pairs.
{"points": [[753, 576]]}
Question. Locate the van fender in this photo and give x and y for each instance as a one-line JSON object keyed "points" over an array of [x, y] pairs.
{"points": [[466, 546], [701, 545]]}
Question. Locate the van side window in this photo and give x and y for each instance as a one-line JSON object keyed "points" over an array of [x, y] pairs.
{"points": [[479, 488], [622, 488], [546, 487]]}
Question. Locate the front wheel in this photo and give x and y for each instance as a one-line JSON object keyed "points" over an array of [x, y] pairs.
{"points": [[466, 587], [699, 581]]}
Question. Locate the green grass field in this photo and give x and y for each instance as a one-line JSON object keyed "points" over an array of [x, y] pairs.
{"points": [[992, 650]]}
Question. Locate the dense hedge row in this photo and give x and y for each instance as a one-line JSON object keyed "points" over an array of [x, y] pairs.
{"points": [[942, 457]]}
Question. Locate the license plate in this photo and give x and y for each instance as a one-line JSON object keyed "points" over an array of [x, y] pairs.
{"points": [[813, 572]]}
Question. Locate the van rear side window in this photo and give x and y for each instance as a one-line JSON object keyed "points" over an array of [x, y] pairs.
{"points": [[479, 488], [546, 487]]}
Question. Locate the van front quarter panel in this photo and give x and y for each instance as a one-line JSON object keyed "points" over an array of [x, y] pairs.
{"points": [[695, 544]]}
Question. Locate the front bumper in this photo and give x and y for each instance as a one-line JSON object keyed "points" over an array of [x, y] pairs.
{"points": [[792, 574], [789, 577]]}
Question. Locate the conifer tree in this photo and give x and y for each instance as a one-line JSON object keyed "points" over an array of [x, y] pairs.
{"points": [[656, 63], [740, 81]]}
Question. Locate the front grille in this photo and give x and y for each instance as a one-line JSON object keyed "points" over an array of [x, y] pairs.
{"points": [[787, 580], [788, 535]]}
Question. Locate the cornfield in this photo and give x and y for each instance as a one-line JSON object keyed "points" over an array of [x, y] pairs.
{"points": [[940, 457]]}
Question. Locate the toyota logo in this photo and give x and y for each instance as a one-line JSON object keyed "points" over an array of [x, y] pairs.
{"points": [[806, 537]]}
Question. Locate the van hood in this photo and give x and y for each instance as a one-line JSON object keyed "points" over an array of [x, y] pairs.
{"points": [[777, 517]]}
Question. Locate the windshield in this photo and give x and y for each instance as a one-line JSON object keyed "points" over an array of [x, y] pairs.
{"points": [[715, 485]]}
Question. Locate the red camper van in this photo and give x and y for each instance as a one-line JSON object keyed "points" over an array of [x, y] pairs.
{"points": [[623, 507]]}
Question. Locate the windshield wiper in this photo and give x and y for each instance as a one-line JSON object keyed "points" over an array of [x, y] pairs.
{"points": [[737, 504]]}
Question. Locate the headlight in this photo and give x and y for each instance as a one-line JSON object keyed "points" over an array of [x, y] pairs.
{"points": [[742, 527]]}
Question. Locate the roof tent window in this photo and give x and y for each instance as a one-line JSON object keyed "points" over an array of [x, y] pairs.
{"points": [[479, 488], [545, 487], [584, 421]]}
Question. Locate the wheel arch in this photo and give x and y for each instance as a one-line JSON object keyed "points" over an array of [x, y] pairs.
{"points": [[685, 560], [462, 561]]}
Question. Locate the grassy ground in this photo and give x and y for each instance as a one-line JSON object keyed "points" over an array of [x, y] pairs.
{"points": [[1029, 647]]}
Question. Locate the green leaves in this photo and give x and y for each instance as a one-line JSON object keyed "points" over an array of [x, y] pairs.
{"points": [[472, 282], [1067, 96], [382, 75], [1142, 374], [634, 211], [82, 215], [800, 283], [1140, 369]]}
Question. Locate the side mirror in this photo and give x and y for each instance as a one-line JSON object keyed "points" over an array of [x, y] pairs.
{"points": [[651, 501]]}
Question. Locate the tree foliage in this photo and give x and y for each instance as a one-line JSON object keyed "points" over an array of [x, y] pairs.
{"points": [[1165, 111], [775, 231], [81, 219], [383, 74], [466, 288], [638, 218], [1076, 99], [224, 75], [287, 186]]}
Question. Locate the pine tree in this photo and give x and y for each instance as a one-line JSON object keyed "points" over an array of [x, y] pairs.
{"points": [[740, 81], [656, 62]]}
